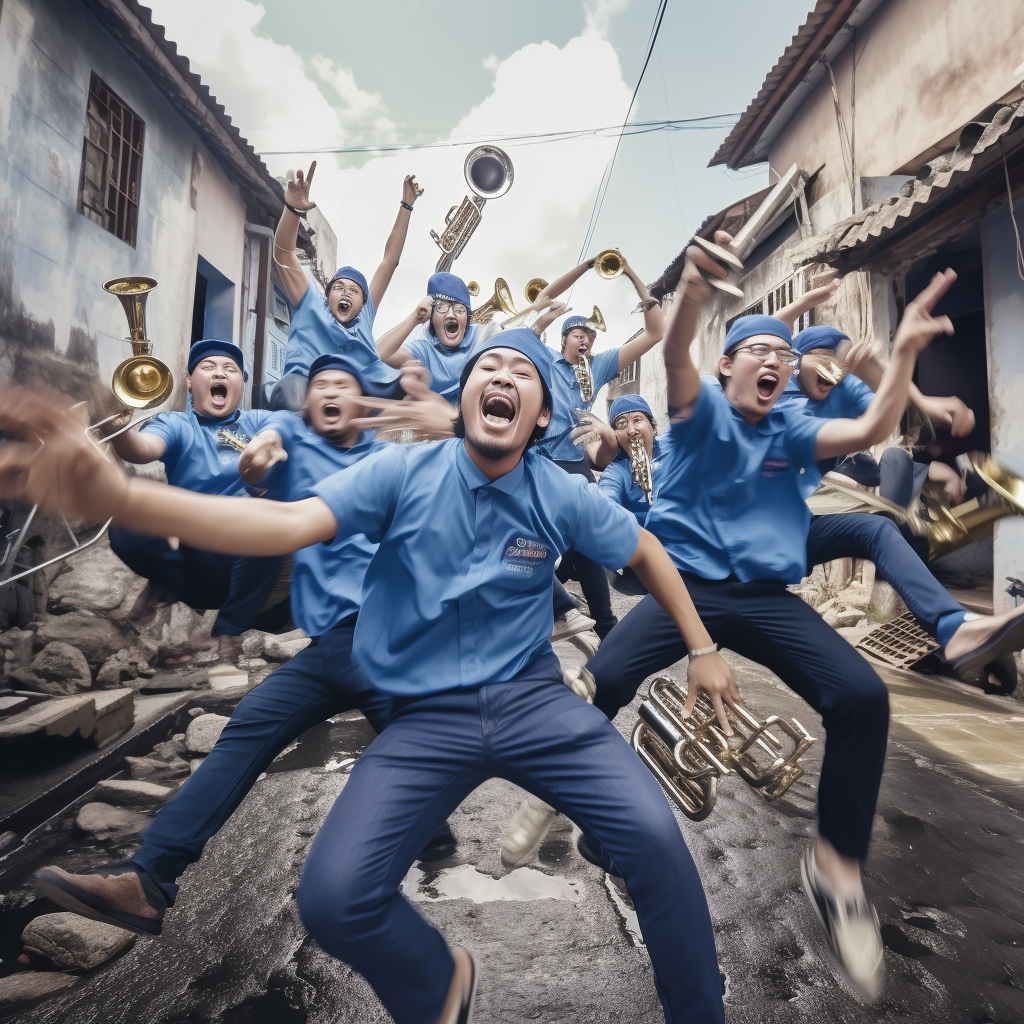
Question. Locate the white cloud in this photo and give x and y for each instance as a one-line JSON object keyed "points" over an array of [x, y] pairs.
{"points": [[536, 229]]}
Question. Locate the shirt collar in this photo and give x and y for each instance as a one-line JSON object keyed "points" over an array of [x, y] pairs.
{"points": [[216, 421], [445, 350], [773, 423], [475, 478]]}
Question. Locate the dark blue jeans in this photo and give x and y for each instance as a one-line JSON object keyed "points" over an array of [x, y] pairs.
{"points": [[436, 750], [319, 682], [762, 621], [861, 535]]}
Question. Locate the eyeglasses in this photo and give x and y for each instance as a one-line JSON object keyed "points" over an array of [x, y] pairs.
{"points": [[761, 350], [450, 307], [348, 287]]}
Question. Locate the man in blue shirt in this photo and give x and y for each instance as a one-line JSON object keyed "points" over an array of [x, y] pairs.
{"points": [[454, 623], [286, 462], [342, 320], [731, 514], [199, 451]]}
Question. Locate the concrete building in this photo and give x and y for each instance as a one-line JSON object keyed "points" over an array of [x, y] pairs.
{"points": [[906, 119]]}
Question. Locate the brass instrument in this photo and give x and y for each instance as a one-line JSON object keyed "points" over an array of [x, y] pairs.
{"points": [[585, 377], [831, 372], [489, 174], [640, 467], [227, 439], [688, 755], [761, 222], [609, 263], [533, 288], [499, 302], [473, 288], [140, 381], [596, 320]]}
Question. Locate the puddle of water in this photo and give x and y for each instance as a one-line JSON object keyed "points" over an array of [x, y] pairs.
{"points": [[464, 882], [332, 745], [630, 922]]}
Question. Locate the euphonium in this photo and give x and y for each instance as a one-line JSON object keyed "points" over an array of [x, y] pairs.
{"points": [[499, 302], [688, 755], [609, 263], [585, 377], [640, 467], [140, 381]]}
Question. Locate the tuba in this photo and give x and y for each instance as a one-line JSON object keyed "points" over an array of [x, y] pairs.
{"points": [[499, 302], [688, 755], [584, 377], [140, 381], [488, 172], [640, 467]]}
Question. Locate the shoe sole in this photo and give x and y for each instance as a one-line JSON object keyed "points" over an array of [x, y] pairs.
{"points": [[971, 667], [75, 901]]}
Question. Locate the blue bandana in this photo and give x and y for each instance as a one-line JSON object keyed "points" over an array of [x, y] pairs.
{"points": [[351, 274], [214, 347], [520, 339], [572, 322], [450, 287], [750, 326], [336, 361], [818, 337], [629, 403]]}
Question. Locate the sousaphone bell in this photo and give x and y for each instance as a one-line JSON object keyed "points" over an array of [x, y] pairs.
{"points": [[140, 381]]}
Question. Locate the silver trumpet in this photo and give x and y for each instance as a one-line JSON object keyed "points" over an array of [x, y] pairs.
{"points": [[688, 755], [640, 467], [585, 377]]}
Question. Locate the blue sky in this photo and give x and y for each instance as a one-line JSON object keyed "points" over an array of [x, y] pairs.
{"points": [[335, 74]]}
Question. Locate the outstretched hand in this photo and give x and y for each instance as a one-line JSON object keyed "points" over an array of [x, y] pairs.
{"points": [[261, 453], [712, 674], [56, 463], [423, 411], [699, 266], [950, 413], [918, 327], [296, 191], [410, 190]]}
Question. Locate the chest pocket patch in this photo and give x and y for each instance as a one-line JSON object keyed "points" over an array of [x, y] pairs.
{"points": [[776, 463], [522, 556]]}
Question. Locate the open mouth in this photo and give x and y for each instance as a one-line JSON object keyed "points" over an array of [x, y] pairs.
{"points": [[218, 391], [498, 409], [344, 304], [767, 382], [331, 411], [451, 327]]}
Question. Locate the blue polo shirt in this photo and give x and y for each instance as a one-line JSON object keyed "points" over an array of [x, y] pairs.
{"points": [[618, 483], [729, 502], [445, 364], [459, 592], [195, 458], [327, 579], [314, 332], [565, 396]]}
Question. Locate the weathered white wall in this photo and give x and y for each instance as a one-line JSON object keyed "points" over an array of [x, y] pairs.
{"points": [[53, 259], [1004, 324], [924, 69]]}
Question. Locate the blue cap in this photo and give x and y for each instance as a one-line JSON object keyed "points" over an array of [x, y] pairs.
{"points": [[450, 287], [629, 403], [523, 340], [572, 322], [819, 337], [351, 274], [214, 347], [336, 361], [750, 326]]}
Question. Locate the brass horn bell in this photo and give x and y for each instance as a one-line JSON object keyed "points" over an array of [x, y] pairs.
{"points": [[609, 263], [596, 320], [140, 381], [533, 288], [499, 302]]}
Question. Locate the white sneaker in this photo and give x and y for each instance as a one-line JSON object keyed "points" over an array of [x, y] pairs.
{"points": [[852, 929], [573, 622], [526, 831]]}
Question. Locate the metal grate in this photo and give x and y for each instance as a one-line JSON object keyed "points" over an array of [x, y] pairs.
{"points": [[631, 373], [111, 163], [778, 298], [900, 642]]}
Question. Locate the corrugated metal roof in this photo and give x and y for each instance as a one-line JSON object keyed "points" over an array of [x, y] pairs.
{"points": [[133, 27], [946, 179]]}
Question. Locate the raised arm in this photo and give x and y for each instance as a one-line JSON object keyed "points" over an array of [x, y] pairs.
{"points": [[597, 438], [654, 324], [916, 330], [138, 448], [389, 347], [286, 238], [396, 240], [548, 317], [560, 285], [827, 287], [691, 293]]}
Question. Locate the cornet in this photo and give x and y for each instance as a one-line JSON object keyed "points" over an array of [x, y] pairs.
{"points": [[688, 755]]}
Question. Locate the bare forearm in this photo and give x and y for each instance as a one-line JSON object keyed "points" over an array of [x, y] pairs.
{"points": [[559, 285], [390, 343], [232, 526], [138, 448], [392, 254], [286, 239], [602, 451], [656, 572], [683, 377]]}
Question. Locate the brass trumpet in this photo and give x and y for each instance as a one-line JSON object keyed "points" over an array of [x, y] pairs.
{"points": [[140, 381], [609, 263], [499, 302], [533, 288], [640, 467], [688, 755]]}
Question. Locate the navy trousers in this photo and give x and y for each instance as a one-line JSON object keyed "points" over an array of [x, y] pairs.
{"points": [[319, 682], [763, 621], [562, 601], [593, 580], [861, 535], [436, 750]]}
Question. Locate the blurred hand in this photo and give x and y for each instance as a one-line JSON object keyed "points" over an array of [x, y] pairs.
{"points": [[918, 327], [296, 192], [262, 452]]}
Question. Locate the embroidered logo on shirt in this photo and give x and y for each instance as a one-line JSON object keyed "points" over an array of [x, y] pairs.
{"points": [[773, 467], [522, 555]]}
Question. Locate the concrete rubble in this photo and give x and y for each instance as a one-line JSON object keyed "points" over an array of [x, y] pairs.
{"points": [[31, 986], [73, 943], [104, 821], [203, 732], [133, 793]]}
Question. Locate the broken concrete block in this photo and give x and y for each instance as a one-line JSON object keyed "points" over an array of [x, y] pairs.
{"points": [[59, 669], [169, 749], [282, 650], [117, 669], [60, 716], [161, 682], [203, 732], [132, 793], [30, 986], [223, 677], [97, 580], [96, 638], [151, 769], [13, 703], [849, 617], [107, 822], [74, 943], [115, 714], [16, 645]]}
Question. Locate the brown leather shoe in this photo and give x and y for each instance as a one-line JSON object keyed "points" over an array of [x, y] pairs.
{"points": [[118, 894]]}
